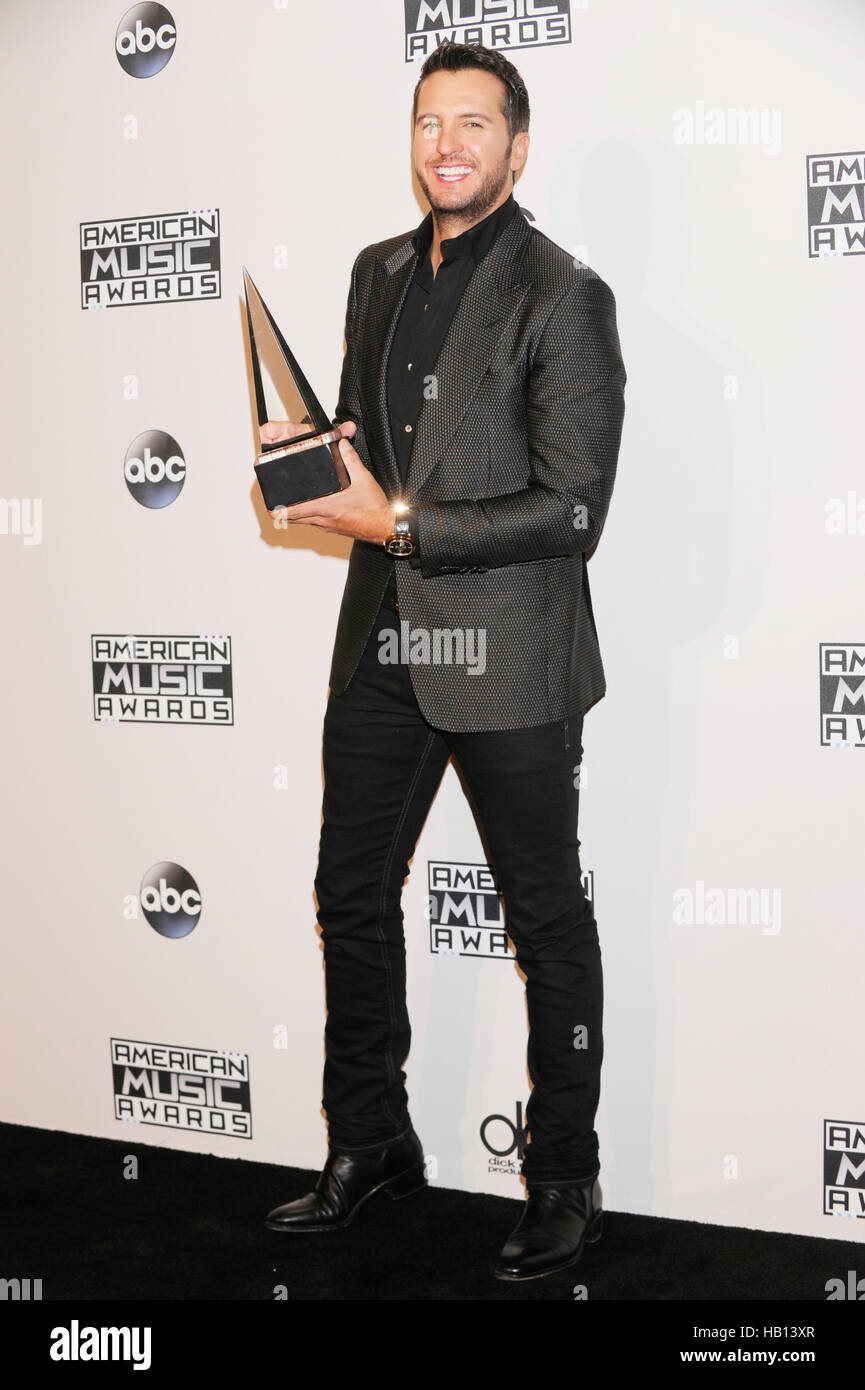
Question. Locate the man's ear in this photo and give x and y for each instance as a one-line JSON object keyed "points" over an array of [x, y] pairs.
{"points": [[520, 151]]}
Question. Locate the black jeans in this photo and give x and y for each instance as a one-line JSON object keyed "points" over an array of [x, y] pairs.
{"points": [[382, 765]]}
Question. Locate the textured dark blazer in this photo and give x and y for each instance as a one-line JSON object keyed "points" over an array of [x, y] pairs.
{"points": [[512, 469]]}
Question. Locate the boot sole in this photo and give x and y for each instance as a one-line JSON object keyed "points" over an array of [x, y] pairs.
{"points": [[401, 1185], [592, 1234]]}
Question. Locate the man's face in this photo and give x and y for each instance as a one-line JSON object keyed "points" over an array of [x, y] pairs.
{"points": [[462, 150]]}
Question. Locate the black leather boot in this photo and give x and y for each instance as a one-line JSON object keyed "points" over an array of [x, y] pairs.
{"points": [[346, 1182], [555, 1225]]}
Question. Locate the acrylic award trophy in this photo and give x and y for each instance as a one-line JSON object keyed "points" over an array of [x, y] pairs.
{"points": [[309, 465]]}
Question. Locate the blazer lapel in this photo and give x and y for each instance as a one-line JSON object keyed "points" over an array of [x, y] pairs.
{"points": [[391, 279], [491, 297]]}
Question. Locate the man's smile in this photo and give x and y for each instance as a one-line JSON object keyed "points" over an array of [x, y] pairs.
{"points": [[452, 173]]}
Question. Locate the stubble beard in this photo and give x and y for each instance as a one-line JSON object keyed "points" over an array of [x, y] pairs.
{"points": [[451, 218]]}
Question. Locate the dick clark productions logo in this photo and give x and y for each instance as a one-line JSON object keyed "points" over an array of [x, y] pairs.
{"points": [[505, 1141]]}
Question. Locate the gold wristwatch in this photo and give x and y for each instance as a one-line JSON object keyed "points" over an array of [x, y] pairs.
{"points": [[403, 538]]}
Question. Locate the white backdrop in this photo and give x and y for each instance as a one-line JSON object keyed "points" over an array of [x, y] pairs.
{"points": [[669, 151]]}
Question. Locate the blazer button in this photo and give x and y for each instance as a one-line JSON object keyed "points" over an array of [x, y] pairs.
{"points": [[408, 429]]}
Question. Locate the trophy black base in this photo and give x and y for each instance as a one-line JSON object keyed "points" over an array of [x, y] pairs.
{"points": [[301, 470]]}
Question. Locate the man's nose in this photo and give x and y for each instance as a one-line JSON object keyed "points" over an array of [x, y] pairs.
{"points": [[449, 141]]}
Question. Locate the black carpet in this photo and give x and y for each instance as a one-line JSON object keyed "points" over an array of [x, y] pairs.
{"points": [[190, 1227]]}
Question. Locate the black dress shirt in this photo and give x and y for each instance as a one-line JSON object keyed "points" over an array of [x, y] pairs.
{"points": [[429, 306]]}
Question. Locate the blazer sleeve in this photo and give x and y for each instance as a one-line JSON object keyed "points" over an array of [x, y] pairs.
{"points": [[574, 413]]}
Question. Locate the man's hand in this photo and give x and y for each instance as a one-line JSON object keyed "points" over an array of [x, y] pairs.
{"points": [[361, 510]]}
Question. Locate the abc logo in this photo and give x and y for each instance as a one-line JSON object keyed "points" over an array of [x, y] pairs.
{"points": [[170, 899], [145, 40], [154, 468]]}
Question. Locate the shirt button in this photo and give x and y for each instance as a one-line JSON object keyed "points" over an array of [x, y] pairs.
{"points": [[409, 366], [425, 307], [408, 429]]}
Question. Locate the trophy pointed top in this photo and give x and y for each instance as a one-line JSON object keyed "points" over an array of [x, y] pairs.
{"points": [[273, 362], [250, 285]]}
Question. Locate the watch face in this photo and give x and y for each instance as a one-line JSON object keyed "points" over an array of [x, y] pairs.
{"points": [[400, 545]]}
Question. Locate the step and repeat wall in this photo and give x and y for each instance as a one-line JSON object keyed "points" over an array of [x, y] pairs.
{"points": [[167, 650]]}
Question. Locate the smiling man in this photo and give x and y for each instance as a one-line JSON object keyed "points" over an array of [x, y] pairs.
{"points": [[482, 387]]}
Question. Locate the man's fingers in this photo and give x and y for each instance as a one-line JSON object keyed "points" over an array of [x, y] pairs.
{"points": [[274, 431], [301, 511], [351, 458]]}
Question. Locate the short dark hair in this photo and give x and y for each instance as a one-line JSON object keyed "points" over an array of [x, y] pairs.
{"points": [[450, 57]]}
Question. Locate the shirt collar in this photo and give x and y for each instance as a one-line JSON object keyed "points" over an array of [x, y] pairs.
{"points": [[474, 241]]}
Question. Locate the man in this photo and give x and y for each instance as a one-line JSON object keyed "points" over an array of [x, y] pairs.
{"points": [[482, 387]]}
